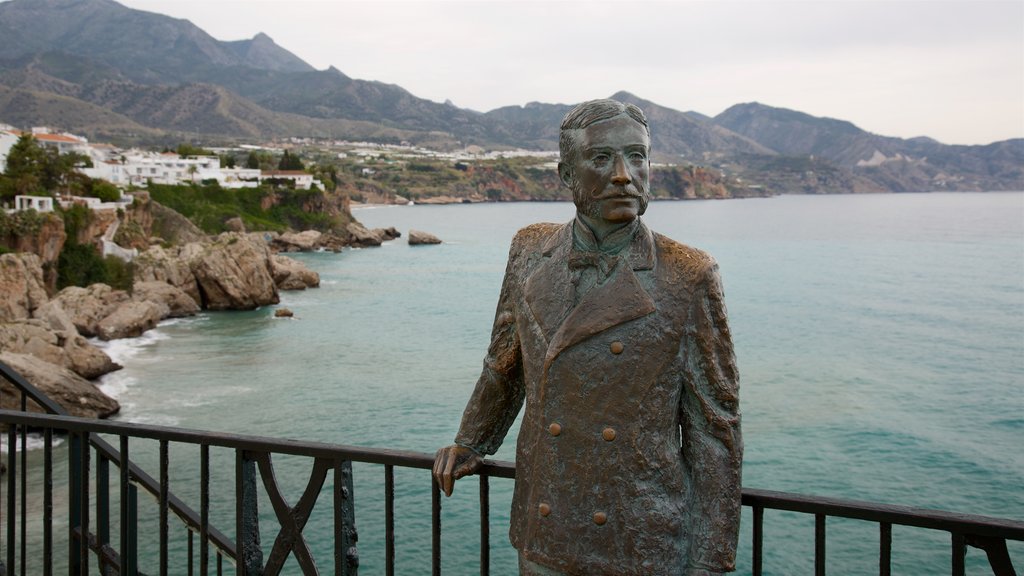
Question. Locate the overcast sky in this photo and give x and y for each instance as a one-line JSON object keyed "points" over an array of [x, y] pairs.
{"points": [[950, 70]]}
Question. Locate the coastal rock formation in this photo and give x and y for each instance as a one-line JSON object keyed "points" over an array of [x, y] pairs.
{"points": [[63, 348], [22, 289], [170, 266], [298, 241], [418, 237], [75, 394], [88, 306], [361, 237], [290, 274], [39, 234], [130, 320], [233, 273], [178, 304]]}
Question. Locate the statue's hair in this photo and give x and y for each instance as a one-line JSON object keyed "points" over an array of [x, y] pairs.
{"points": [[592, 112]]}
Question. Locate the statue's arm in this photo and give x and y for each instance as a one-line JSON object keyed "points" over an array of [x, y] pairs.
{"points": [[496, 398], [712, 441]]}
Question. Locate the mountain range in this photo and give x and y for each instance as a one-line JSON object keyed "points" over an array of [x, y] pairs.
{"points": [[111, 73]]}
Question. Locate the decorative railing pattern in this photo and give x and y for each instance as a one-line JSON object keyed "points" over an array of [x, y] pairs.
{"points": [[89, 504]]}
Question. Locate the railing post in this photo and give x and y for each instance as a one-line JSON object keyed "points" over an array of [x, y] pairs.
{"points": [[204, 510], [129, 515], [884, 549], [819, 544], [74, 501], [24, 489], [435, 526], [758, 538], [12, 467], [485, 526], [247, 517], [102, 510], [959, 548], [48, 502], [389, 520], [346, 555]]}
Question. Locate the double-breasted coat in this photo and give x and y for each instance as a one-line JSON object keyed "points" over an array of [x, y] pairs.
{"points": [[629, 452]]}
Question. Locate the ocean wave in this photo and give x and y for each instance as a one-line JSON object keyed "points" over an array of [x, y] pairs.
{"points": [[116, 384], [34, 441], [124, 349]]}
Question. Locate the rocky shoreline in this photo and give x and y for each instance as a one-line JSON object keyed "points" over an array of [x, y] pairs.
{"points": [[45, 337]]}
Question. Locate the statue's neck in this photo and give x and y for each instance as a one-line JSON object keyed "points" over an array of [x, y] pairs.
{"points": [[607, 236]]}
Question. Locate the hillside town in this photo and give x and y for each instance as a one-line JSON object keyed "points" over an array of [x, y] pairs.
{"points": [[139, 168]]}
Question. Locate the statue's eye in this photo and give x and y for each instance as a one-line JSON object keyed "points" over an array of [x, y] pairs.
{"points": [[637, 157], [600, 159]]}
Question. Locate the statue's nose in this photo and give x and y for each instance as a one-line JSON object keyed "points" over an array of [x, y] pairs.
{"points": [[620, 175]]}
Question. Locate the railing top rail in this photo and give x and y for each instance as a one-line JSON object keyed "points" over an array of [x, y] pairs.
{"points": [[894, 514], [403, 458], [891, 513]]}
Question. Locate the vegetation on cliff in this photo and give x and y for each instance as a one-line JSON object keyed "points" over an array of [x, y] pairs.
{"points": [[274, 208]]}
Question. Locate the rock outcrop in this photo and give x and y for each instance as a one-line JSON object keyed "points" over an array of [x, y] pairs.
{"points": [[130, 320], [22, 289], [362, 237], [75, 394], [298, 241], [63, 348], [418, 237], [178, 304], [290, 274], [88, 306], [234, 273], [170, 266]]}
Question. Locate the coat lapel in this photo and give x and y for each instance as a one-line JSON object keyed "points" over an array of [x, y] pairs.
{"points": [[621, 298], [549, 290]]}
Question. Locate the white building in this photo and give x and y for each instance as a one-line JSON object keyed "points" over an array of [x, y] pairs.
{"points": [[37, 203], [303, 180], [8, 137]]}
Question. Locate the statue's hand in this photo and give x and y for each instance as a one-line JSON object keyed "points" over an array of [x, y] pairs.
{"points": [[454, 462]]}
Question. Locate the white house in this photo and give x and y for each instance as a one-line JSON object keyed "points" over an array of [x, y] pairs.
{"points": [[63, 142], [303, 180], [8, 137], [37, 203]]}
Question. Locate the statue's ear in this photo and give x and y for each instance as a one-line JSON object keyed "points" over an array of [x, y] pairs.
{"points": [[565, 173]]}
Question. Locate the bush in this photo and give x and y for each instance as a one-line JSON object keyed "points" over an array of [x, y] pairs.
{"points": [[80, 265], [119, 274]]}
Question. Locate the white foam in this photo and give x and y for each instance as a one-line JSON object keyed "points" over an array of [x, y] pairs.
{"points": [[34, 441]]}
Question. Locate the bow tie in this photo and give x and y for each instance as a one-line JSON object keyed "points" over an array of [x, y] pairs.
{"points": [[580, 260]]}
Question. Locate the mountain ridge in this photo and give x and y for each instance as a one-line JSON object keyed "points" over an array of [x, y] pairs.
{"points": [[155, 73]]}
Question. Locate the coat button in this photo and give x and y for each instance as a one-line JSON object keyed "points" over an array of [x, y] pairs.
{"points": [[608, 434], [600, 518], [617, 347], [555, 429], [544, 509]]}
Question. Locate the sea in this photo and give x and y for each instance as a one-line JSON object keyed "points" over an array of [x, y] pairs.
{"points": [[880, 341]]}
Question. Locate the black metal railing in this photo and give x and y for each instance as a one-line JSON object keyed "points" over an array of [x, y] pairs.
{"points": [[89, 505]]}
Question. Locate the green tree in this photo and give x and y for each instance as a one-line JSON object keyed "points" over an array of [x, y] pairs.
{"points": [[290, 162], [185, 150], [227, 160], [253, 161], [24, 171]]}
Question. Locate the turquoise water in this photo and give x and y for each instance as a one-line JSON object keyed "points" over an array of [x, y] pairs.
{"points": [[880, 340]]}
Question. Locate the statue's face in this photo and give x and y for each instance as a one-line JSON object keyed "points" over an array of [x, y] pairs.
{"points": [[610, 176]]}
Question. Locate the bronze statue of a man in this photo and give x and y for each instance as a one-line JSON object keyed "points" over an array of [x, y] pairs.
{"points": [[629, 452]]}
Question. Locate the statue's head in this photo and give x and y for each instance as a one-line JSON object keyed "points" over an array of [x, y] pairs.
{"points": [[604, 148]]}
